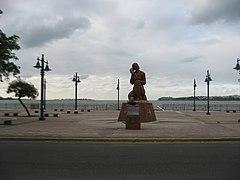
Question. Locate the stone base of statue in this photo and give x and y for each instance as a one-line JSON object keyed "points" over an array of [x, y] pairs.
{"points": [[133, 122], [133, 113]]}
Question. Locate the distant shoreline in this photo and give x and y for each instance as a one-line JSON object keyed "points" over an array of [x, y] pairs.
{"points": [[202, 98]]}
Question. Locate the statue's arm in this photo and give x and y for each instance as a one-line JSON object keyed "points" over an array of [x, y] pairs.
{"points": [[131, 80], [143, 79]]}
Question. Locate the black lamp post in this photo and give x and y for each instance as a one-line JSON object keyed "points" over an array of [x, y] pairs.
{"points": [[238, 67], [207, 80], [45, 93], [76, 80], [42, 69], [194, 95], [118, 88]]}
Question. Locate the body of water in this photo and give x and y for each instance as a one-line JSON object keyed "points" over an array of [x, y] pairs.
{"points": [[111, 104]]}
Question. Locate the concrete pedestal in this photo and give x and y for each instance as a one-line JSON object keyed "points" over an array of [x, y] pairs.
{"points": [[132, 114], [133, 122]]}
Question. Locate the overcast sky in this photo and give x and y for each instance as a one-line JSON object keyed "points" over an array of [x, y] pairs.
{"points": [[174, 42]]}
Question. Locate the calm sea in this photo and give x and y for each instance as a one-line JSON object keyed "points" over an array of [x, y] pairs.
{"points": [[113, 104]]}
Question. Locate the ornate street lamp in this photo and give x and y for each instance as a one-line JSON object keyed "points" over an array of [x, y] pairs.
{"points": [[118, 88], [207, 80], [194, 95], [40, 65], [76, 80], [238, 68]]}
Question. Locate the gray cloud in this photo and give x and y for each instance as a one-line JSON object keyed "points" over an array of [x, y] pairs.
{"points": [[216, 10], [83, 6], [191, 59], [41, 33], [140, 24]]}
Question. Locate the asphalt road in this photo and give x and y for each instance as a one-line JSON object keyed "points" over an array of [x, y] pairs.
{"points": [[82, 160]]}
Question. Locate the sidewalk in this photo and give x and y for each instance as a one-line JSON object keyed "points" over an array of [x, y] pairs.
{"points": [[103, 125]]}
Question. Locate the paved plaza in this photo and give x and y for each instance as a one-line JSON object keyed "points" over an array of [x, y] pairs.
{"points": [[170, 125]]}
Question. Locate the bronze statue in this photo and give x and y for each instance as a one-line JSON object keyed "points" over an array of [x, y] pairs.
{"points": [[138, 80], [137, 109]]}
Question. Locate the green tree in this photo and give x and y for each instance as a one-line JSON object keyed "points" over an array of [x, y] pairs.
{"points": [[7, 46], [22, 89]]}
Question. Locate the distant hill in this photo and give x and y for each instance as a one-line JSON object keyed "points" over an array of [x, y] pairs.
{"points": [[200, 98], [8, 98]]}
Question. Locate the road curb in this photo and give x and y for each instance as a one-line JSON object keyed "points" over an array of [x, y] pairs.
{"points": [[184, 139]]}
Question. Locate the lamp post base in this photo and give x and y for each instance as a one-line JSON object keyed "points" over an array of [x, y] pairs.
{"points": [[194, 109], [41, 119], [208, 113]]}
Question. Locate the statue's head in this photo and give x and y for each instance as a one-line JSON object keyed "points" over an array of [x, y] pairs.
{"points": [[135, 66]]}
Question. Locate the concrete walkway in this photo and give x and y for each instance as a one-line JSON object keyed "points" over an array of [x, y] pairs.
{"points": [[103, 126]]}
